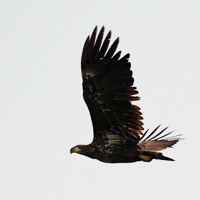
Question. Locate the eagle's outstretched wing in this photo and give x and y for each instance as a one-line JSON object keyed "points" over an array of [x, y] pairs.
{"points": [[157, 142], [108, 88]]}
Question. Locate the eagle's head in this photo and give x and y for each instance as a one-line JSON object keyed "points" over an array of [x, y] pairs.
{"points": [[77, 149], [86, 150]]}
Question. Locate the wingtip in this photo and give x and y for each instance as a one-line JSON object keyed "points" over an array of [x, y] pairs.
{"points": [[95, 28], [102, 30], [109, 34]]}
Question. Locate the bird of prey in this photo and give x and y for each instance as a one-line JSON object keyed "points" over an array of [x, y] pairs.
{"points": [[108, 91]]}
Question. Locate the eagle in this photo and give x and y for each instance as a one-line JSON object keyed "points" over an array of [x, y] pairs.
{"points": [[108, 91]]}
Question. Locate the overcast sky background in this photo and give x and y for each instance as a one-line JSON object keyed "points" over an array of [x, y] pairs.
{"points": [[42, 112]]}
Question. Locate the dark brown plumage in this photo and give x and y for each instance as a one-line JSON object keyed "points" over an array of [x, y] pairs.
{"points": [[108, 91]]}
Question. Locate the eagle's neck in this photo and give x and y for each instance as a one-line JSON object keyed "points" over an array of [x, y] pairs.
{"points": [[89, 150]]}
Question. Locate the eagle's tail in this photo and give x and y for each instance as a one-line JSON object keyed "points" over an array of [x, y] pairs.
{"points": [[148, 156], [153, 143]]}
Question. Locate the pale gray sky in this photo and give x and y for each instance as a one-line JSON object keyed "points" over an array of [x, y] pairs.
{"points": [[42, 112]]}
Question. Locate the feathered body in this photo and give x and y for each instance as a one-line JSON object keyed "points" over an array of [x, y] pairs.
{"points": [[108, 91]]}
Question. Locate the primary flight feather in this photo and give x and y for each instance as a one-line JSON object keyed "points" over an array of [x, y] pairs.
{"points": [[108, 91]]}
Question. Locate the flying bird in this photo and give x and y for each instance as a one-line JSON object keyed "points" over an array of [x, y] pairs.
{"points": [[117, 123]]}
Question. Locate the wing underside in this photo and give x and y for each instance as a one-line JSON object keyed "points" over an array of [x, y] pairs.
{"points": [[157, 142]]}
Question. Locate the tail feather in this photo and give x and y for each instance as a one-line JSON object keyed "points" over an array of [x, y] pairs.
{"points": [[162, 157], [147, 156]]}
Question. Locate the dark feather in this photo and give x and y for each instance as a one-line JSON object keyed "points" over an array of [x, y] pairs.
{"points": [[107, 88]]}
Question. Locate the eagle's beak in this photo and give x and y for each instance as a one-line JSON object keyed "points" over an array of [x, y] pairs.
{"points": [[75, 150]]}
